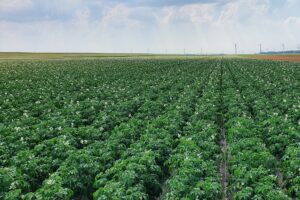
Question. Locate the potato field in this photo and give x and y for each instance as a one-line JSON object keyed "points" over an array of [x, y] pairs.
{"points": [[149, 129]]}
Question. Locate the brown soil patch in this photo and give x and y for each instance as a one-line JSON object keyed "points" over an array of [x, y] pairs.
{"points": [[292, 58]]}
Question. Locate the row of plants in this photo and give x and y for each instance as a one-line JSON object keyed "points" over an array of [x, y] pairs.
{"points": [[251, 165], [149, 129], [193, 164], [278, 82], [33, 165], [141, 170], [123, 96], [280, 133], [111, 147], [27, 130]]}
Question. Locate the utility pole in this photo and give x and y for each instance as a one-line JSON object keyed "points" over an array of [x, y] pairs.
{"points": [[235, 47], [283, 47], [184, 51], [260, 48], [298, 47]]}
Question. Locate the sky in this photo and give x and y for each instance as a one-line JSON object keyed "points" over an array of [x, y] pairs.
{"points": [[154, 26]]}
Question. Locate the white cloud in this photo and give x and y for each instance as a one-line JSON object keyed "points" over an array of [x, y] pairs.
{"points": [[168, 13], [292, 2], [241, 11], [82, 16], [293, 21], [119, 16], [14, 5], [192, 13], [199, 13], [121, 27]]}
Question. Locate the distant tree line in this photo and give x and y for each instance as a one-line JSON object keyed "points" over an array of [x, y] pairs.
{"points": [[282, 52]]}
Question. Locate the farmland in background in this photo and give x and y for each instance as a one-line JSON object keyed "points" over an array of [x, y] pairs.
{"points": [[276, 57], [148, 128], [79, 56], [60, 56]]}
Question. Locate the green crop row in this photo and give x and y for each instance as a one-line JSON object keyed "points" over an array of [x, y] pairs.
{"points": [[149, 129]]}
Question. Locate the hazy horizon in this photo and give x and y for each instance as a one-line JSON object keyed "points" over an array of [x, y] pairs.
{"points": [[136, 26]]}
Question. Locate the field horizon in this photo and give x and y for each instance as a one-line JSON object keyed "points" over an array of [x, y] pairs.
{"points": [[79, 55], [151, 128]]}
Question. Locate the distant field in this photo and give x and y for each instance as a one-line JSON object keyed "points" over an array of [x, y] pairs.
{"points": [[288, 57], [41, 56], [76, 56]]}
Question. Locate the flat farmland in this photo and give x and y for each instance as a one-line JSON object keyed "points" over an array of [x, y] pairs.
{"points": [[149, 129], [280, 57]]}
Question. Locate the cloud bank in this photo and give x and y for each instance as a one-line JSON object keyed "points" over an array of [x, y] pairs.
{"points": [[148, 26]]}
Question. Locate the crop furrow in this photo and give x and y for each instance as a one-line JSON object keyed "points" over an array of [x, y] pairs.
{"points": [[223, 138], [112, 148], [273, 88], [187, 156], [141, 117], [252, 111], [280, 135], [145, 178], [149, 129]]}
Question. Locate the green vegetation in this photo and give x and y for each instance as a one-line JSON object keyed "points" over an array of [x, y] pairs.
{"points": [[66, 56], [149, 128]]}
